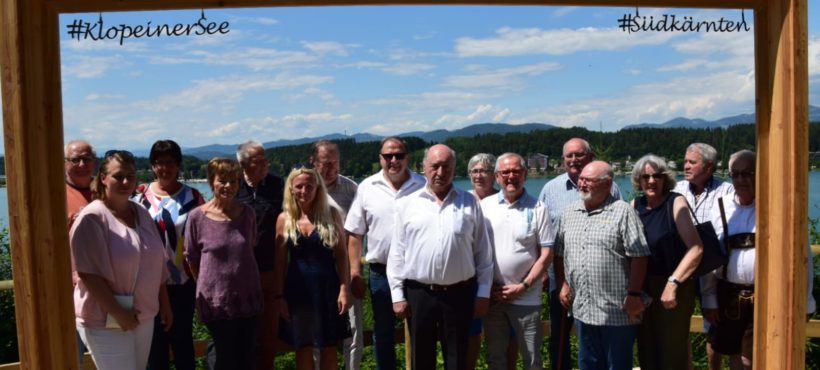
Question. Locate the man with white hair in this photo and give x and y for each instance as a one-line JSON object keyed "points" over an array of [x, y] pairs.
{"points": [[519, 226]]}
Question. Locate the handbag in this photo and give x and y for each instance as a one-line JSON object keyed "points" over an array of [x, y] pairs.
{"points": [[713, 254]]}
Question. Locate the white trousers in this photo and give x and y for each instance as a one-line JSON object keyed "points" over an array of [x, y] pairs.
{"points": [[114, 349]]}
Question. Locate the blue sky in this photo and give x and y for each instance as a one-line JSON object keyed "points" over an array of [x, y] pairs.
{"points": [[295, 72]]}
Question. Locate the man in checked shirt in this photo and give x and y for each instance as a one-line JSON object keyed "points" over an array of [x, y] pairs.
{"points": [[600, 264]]}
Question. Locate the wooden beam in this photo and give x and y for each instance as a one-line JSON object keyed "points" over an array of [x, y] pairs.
{"points": [[80, 6], [781, 49], [32, 118]]}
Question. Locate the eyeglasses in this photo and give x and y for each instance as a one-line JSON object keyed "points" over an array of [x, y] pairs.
{"points": [[742, 174], [655, 176], [508, 173], [389, 156], [81, 159], [480, 171], [114, 152]]}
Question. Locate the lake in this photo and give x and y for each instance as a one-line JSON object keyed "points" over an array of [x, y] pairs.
{"points": [[533, 186]]}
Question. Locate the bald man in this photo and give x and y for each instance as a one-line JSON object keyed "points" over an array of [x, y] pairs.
{"points": [[440, 263]]}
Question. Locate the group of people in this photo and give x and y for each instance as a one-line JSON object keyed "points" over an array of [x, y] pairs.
{"points": [[269, 261]]}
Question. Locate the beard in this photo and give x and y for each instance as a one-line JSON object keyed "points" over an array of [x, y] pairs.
{"points": [[585, 195]]}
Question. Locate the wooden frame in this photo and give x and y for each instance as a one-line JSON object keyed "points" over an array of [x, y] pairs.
{"points": [[32, 115]]}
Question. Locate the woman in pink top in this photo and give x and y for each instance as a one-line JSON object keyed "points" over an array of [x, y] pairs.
{"points": [[117, 251]]}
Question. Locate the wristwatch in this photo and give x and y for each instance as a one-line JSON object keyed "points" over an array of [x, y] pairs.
{"points": [[526, 285], [673, 280]]}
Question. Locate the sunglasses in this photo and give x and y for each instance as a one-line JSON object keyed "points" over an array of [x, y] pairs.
{"points": [[114, 152], [742, 174], [656, 176], [389, 156]]}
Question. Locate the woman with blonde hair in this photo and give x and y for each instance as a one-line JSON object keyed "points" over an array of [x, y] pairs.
{"points": [[309, 234]]}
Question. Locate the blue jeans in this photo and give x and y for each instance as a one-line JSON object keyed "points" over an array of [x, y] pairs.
{"points": [[384, 319], [605, 347]]}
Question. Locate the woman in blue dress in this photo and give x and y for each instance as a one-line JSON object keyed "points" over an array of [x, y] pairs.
{"points": [[315, 297]]}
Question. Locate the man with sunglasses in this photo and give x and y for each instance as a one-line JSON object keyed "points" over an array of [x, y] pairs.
{"points": [[326, 159], [371, 214], [557, 194]]}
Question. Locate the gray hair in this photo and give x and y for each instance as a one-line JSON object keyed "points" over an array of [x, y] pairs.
{"points": [[486, 159], [504, 156], [78, 142], [742, 154], [584, 144], [242, 150], [659, 165], [706, 151]]}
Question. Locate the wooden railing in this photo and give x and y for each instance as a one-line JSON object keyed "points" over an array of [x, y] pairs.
{"points": [[695, 326]]}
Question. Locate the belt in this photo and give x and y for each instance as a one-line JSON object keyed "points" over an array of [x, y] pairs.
{"points": [[439, 287], [742, 241]]}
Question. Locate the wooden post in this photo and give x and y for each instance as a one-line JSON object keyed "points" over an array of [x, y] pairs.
{"points": [[32, 117], [781, 48]]}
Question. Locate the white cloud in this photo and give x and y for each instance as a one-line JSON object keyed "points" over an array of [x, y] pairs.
{"points": [[502, 115], [328, 47], [254, 58], [84, 66], [225, 130], [324, 95], [529, 41], [310, 118], [451, 121], [814, 55], [512, 78], [408, 69], [224, 92], [88, 45], [563, 11]]}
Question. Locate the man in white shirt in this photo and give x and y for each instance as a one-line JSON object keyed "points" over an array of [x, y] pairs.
{"points": [[728, 296], [440, 263], [519, 226], [372, 214]]}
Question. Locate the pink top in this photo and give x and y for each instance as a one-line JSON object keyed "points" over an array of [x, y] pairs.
{"points": [[104, 246]]}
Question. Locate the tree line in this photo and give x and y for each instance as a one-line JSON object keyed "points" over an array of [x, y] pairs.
{"points": [[360, 159]]}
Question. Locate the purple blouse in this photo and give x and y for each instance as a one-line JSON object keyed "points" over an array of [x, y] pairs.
{"points": [[228, 285]]}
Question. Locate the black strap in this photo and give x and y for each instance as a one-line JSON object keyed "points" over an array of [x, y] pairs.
{"points": [[725, 235]]}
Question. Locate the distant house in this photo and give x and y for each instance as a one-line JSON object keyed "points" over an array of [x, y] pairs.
{"points": [[538, 162]]}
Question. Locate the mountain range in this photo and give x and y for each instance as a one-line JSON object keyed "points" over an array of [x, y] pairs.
{"points": [[213, 150]]}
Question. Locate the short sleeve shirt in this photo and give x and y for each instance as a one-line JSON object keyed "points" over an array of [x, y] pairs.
{"points": [[130, 260], [519, 231], [596, 246]]}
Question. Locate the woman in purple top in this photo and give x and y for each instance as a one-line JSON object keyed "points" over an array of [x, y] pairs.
{"points": [[219, 241], [119, 259]]}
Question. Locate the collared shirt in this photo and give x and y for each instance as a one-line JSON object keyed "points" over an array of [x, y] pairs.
{"points": [[373, 209], [741, 266], [519, 231], [266, 201], [559, 193], [439, 244], [703, 205], [343, 191], [597, 246]]}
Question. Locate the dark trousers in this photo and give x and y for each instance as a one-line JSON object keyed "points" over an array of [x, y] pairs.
{"points": [[560, 327], [443, 315], [384, 320], [234, 343], [180, 337]]}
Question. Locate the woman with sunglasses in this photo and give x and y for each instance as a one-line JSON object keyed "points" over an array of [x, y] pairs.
{"points": [[169, 203], [314, 286], [119, 259], [219, 239], [663, 335]]}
